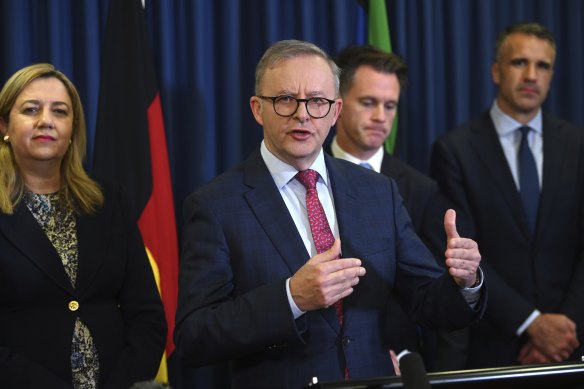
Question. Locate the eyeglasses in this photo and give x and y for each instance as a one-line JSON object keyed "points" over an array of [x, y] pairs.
{"points": [[286, 106]]}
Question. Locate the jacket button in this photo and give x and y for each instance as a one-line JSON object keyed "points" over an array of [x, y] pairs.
{"points": [[73, 305], [346, 340]]}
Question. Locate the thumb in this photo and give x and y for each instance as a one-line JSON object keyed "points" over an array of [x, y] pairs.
{"points": [[333, 253], [450, 224]]}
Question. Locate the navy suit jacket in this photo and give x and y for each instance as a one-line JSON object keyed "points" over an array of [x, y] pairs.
{"points": [[544, 272], [115, 291], [239, 247]]}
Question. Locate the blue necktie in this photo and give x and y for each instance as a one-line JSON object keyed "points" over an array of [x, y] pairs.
{"points": [[366, 165], [528, 180]]}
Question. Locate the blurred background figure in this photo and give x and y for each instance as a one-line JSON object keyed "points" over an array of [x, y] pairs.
{"points": [[517, 172]]}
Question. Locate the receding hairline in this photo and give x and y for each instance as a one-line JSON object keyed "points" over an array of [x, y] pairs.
{"points": [[531, 29], [287, 50]]}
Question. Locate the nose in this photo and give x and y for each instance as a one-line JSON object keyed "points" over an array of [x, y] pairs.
{"points": [[46, 119], [530, 72], [379, 113], [302, 112]]}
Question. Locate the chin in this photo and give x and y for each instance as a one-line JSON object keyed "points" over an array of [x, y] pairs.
{"points": [[373, 144]]}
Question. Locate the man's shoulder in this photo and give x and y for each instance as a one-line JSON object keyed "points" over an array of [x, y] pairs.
{"points": [[469, 129], [552, 121], [353, 171], [477, 132], [397, 169], [226, 184]]}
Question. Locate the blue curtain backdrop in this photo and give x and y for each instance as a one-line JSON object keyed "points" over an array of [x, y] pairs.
{"points": [[206, 50]]}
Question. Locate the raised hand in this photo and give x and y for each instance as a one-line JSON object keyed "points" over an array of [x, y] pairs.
{"points": [[462, 254]]}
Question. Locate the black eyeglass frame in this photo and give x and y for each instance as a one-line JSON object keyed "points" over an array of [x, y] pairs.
{"points": [[298, 101]]}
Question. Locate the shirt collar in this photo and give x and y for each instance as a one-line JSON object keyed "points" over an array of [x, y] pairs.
{"points": [[505, 124], [375, 160], [283, 173]]}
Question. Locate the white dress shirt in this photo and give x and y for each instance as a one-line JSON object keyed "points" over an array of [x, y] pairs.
{"points": [[375, 160], [294, 195]]}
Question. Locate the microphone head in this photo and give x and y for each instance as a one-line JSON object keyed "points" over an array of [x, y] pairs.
{"points": [[413, 372]]}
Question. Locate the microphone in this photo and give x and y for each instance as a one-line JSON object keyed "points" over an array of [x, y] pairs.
{"points": [[413, 372]]}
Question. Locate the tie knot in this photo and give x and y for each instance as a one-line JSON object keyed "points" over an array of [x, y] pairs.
{"points": [[366, 165], [308, 178], [524, 131]]}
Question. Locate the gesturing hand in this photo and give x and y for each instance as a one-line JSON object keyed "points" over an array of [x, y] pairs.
{"points": [[325, 279], [462, 254]]}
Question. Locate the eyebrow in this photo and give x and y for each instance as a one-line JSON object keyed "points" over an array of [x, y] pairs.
{"points": [[286, 92], [384, 101], [37, 102]]}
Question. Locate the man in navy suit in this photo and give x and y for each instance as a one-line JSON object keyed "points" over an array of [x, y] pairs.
{"points": [[534, 260], [254, 291]]}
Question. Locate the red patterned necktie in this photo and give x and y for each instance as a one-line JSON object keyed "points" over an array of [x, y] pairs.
{"points": [[319, 225], [320, 228]]}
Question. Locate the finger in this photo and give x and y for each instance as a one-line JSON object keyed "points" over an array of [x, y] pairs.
{"points": [[343, 268], [472, 255], [570, 326], [526, 349], [338, 296], [395, 362], [450, 224], [462, 244], [340, 287]]}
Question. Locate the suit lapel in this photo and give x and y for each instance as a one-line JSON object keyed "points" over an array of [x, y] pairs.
{"points": [[24, 232], [268, 206], [486, 144]]}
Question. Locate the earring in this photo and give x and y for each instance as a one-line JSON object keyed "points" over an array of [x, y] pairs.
{"points": [[6, 138]]}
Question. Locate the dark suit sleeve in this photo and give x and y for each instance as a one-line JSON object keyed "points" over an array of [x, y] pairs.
{"points": [[216, 322], [507, 308], [428, 293], [141, 307]]}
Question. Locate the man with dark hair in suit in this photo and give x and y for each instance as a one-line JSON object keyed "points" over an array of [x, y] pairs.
{"points": [[289, 258], [371, 84], [518, 174]]}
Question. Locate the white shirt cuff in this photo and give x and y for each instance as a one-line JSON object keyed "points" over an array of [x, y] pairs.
{"points": [[534, 315], [295, 310]]}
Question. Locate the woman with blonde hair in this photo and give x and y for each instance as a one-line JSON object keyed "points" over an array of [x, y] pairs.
{"points": [[78, 302]]}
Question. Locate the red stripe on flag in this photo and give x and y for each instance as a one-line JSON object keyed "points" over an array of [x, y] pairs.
{"points": [[157, 221]]}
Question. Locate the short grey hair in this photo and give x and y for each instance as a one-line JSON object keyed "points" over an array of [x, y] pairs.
{"points": [[288, 49], [527, 28]]}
